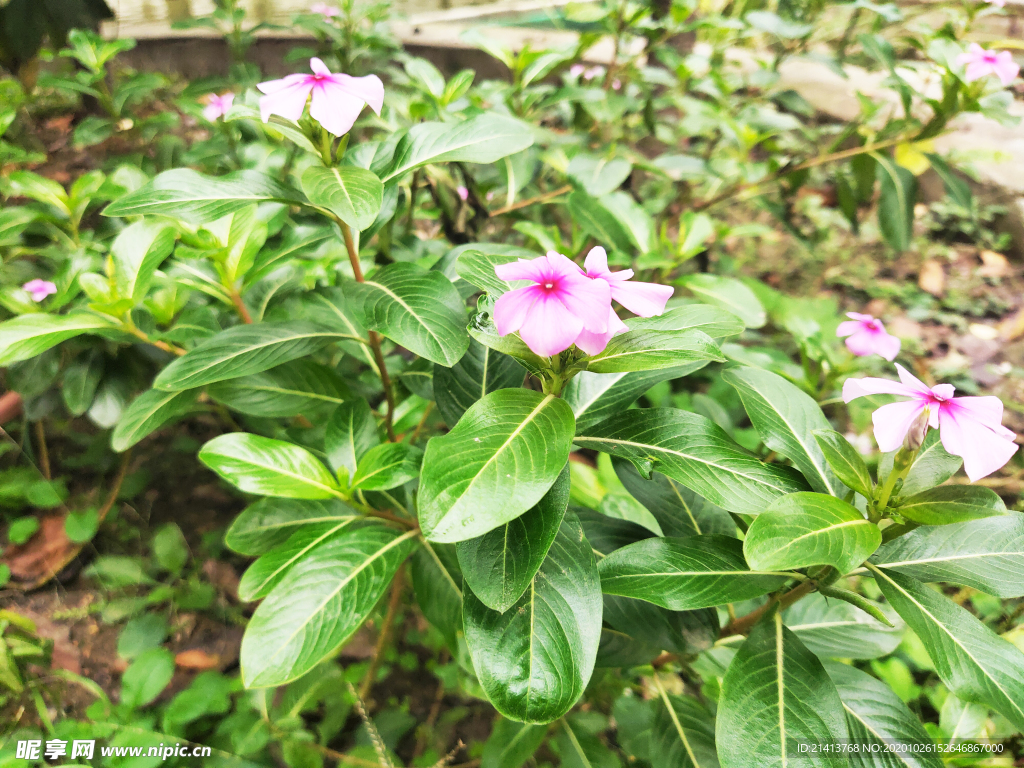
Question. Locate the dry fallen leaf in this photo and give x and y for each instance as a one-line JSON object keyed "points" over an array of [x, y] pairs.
{"points": [[1012, 327], [932, 278], [197, 658], [993, 265], [42, 556]]}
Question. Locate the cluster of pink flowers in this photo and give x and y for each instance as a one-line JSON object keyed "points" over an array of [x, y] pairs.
{"points": [[337, 99], [981, 63], [567, 305], [39, 289]]}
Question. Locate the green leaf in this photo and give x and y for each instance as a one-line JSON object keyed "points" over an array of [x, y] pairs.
{"points": [[696, 452], [198, 199], [785, 417], [832, 628], [594, 397], [275, 124], [481, 328], [683, 632], [876, 718], [351, 432], [500, 565], [972, 660], [678, 510], [776, 695], [485, 138], [606, 534], [321, 602], [269, 522], [420, 310], [581, 748], [268, 467], [511, 744], [477, 269], [80, 382], [148, 412], [170, 549], [387, 466], [29, 335], [729, 294], [299, 386], [684, 734], [263, 575], [654, 350], [598, 222], [137, 252], [244, 350], [500, 459], [896, 203], [985, 554], [951, 504], [684, 574], [932, 467], [715, 322], [479, 372], [535, 659], [598, 175], [352, 194], [146, 677], [437, 582], [957, 188], [805, 529], [846, 463]]}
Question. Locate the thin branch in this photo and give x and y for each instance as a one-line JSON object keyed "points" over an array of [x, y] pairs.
{"points": [[163, 345], [243, 311], [44, 453], [394, 601], [744, 624], [531, 201]]}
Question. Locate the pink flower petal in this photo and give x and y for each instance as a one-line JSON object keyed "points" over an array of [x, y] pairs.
{"points": [[512, 309], [317, 67], [912, 382], [1005, 68], [596, 262], [589, 300], [524, 269], [854, 388], [369, 89], [893, 421], [334, 108], [288, 101], [849, 327], [982, 450], [643, 299], [550, 327], [594, 343], [987, 411]]}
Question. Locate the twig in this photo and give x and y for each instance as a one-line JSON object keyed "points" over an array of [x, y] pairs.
{"points": [[378, 743], [393, 603], [435, 710], [423, 420], [744, 624], [44, 453], [169, 348], [531, 201], [243, 311], [378, 356]]}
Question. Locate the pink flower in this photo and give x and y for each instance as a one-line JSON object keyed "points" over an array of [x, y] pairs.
{"points": [[643, 299], [593, 72], [981, 63], [969, 427], [39, 289], [325, 10], [867, 336], [997, 3], [337, 99], [217, 106], [576, 70], [462, 192], [552, 313], [616, 84]]}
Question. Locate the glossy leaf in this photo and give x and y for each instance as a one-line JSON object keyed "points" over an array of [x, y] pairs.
{"points": [[534, 660], [500, 565], [805, 529], [418, 309], [678, 510], [137, 252], [832, 628], [785, 417], [321, 601], [776, 695], [351, 432], [595, 397], [972, 660], [269, 522], [29, 335], [715, 322], [352, 194], [148, 412], [654, 350], [477, 269], [696, 452], [847, 465], [684, 734], [437, 583], [268, 467], [985, 554], [299, 386], [683, 632], [244, 350], [683, 574], [729, 294], [482, 328], [387, 466], [480, 372], [606, 534], [504, 454], [951, 504]]}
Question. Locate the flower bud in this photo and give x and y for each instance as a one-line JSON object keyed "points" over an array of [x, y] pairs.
{"points": [[918, 429]]}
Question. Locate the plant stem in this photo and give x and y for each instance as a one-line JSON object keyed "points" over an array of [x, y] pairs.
{"points": [[44, 453], [394, 601], [162, 345], [378, 356], [744, 624], [243, 311], [531, 201]]}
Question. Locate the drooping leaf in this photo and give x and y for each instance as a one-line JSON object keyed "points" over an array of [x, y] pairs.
{"points": [[479, 372], [804, 529], [684, 734], [785, 417], [832, 628], [684, 574], [878, 719], [268, 467], [534, 660], [437, 583], [29, 335], [972, 660], [896, 203], [351, 432], [500, 565], [951, 504], [269, 522], [148, 412], [418, 309], [847, 465], [696, 452], [196, 198], [244, 350], [729, 294], [320, 602], [645, 350], [985, 554], [387, 466], [957, 187], [775, 696], [299, 386], [505, 453], [137, 252], [678, 510], [352, 194]]}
